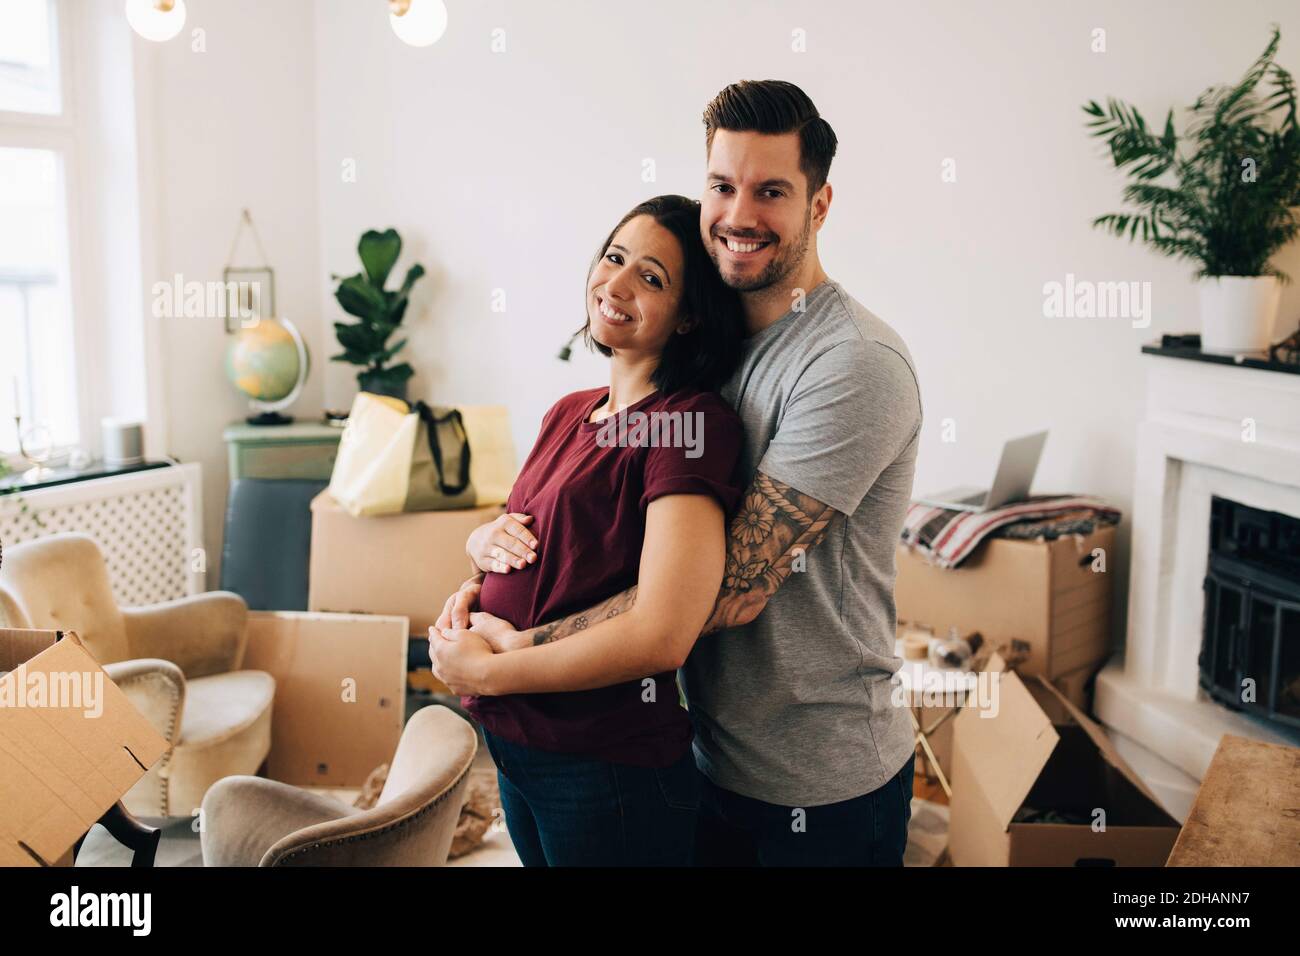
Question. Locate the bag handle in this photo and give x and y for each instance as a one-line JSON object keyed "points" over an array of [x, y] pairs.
{"points": [[431, 423]]}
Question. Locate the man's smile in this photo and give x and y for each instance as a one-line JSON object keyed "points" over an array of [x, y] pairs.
{"points": [[742, 249]]}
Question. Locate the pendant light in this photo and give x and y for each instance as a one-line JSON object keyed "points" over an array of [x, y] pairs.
{"points": [[418, 22], [157, 20]]}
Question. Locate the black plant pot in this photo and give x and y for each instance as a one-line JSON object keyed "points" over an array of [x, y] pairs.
{"points": [[381, 384]]}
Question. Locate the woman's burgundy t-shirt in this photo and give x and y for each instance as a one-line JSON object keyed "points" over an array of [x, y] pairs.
{"points": [[588, 498]]}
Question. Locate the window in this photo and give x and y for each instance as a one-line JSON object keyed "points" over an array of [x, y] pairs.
{"points": [[37, 360], [29, 61]]}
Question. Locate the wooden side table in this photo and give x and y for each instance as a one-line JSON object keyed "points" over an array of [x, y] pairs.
{"points": [[1247, 812], [300, 450]]}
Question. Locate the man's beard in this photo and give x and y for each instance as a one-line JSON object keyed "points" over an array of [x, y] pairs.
{"points": [[776, 270]]}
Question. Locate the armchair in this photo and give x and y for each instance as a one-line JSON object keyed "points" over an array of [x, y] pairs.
{"points": [[178, 662], [250, 821]]}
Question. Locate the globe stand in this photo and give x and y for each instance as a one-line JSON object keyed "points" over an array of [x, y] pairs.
{"points": [[268, 413], [269, 418]]}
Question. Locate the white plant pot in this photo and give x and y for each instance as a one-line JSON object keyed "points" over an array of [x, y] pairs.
{"points": [[1238, 313]]}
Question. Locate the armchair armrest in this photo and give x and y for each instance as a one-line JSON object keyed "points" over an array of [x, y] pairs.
{"points": [[243, 817], [203, 634], [154, 687], [11, 615]]}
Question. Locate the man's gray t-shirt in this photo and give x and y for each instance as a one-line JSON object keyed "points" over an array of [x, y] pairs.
{"points": [[795, 708]]}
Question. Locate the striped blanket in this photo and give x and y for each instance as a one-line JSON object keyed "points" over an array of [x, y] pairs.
{"points": [[947, 538]]}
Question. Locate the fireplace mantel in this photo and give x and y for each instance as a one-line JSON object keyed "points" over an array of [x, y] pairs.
{"points": [[1208, 429]]}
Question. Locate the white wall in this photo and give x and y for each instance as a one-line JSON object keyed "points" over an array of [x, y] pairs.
{"points": [[502, 171], [232, 127]]}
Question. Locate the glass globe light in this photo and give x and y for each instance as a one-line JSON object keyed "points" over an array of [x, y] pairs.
{"points": [[418, 22], [157, 20]]}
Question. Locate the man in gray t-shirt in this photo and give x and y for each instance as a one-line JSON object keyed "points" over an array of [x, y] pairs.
{"points": [[794, 707], [805, 757]]}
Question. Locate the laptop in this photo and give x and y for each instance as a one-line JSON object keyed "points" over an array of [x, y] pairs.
{"points": [[1011, 483]]}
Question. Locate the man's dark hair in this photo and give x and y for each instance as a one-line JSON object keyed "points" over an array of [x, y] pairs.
{"points": [[775, 106], [704, 357]]}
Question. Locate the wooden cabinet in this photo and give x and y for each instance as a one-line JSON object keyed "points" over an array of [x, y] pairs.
{"points": [[299, 450]]}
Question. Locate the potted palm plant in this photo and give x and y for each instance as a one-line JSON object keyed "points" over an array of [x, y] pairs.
{"points": [[1223, 196], [379, 312]]}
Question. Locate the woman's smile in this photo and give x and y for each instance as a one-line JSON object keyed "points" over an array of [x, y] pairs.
{"points": [[610, 314]]}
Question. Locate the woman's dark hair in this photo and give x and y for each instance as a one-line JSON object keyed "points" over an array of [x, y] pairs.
{"points": [[704, 357]]}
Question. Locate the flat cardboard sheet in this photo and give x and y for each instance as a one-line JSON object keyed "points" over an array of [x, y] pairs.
{"points": [[340, 692]]}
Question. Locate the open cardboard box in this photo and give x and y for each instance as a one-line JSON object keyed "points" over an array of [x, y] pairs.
{"points": [[1040, 751], [71, 745]]}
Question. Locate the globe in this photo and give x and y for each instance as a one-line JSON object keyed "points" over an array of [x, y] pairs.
{"points": [[268, 362]]}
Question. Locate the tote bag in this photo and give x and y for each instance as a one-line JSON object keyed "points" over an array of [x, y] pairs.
{"points": [[393, 457]]}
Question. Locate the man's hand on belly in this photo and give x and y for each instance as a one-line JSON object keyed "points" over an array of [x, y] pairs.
{"points": [[499, 634]]}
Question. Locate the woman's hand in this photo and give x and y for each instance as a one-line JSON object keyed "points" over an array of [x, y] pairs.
{"points": [[503, 544], [500, 635], [457, 609], [461, 660]]}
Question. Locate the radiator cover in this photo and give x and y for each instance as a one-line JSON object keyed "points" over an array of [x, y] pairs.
{"points": [[147, 524]]}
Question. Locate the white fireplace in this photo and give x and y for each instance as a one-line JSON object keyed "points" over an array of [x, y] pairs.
{"points": [[1209, 430]]}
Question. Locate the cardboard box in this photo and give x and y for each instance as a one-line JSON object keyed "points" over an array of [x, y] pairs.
{"points": [[403, 564], [1042, 592], [71, 745], [1245, 812], [1040, 751], [1073, 687], [935, 720], [340, 693]]}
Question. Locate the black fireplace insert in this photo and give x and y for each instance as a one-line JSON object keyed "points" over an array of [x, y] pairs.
{"points": [[1250, 646]]}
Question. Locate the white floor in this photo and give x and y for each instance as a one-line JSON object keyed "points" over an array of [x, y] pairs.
{"points": [[179, 846]]}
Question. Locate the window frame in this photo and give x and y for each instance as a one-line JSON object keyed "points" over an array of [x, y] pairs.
{"points": [[60, 134]]}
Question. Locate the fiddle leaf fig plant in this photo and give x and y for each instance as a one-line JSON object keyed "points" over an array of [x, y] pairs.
{"points": [[1224, 195], [379, 312]]}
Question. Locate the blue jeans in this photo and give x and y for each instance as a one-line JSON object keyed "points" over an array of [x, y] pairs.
{"points": [[570, 810], [870, 830]]}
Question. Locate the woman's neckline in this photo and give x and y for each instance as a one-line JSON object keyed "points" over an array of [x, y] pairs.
{"points": [[604, 394]]}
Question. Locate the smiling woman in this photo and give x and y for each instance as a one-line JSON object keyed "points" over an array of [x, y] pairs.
{"points": [[671, 269], [593, 754]]}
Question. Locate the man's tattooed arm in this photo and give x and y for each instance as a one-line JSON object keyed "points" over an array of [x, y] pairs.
{"points": [[775, 526]]}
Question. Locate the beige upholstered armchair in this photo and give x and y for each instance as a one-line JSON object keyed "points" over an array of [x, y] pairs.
{"points": [[177, 662], [251, 821]]}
